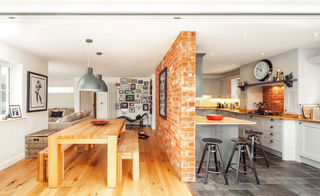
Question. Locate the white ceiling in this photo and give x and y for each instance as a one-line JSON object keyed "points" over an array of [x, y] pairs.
{"points": [[134, 46]]}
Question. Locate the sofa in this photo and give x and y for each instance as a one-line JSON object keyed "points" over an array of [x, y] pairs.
{"points": [[67, 119]]}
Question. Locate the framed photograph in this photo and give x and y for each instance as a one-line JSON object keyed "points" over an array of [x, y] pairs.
{"points": [[138, 107], [137, 96], [145, 93], [131, 104], [138, 90], [133, 86], [118, 106], [131, 92], [126, 92], [129, 80], [132, 110], [137, 101], [15, 111], [145, 107], [122, 98], [124, 81], [37, 92], [163, 94], [124, 105], [145, 87], [123, 112], [118, 85], [144, 100], [125, 86], [140, 81], [121, 91], [146, 83], [134, 81], [129, 98], [140, 86]]}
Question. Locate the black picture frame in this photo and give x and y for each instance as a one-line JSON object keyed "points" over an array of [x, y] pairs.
{"points": [[31, 106], [129, 97], [124, 105], [145, 107], [163, 94]]}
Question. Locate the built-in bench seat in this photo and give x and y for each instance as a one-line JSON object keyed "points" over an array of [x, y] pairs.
{"points": [[128, 148], [43, 158]]}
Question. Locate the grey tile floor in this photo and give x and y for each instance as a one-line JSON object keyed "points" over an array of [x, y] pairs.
{"points": [[283, 178]]}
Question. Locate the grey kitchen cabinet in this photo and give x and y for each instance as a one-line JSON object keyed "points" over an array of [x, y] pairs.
{"points": [[309, 134], [205, 112], [291, 104], [225, 88], [211, 88]]}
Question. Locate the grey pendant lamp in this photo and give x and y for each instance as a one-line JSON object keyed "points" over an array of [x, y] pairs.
{"points": [[88, 82], [103, 85]]}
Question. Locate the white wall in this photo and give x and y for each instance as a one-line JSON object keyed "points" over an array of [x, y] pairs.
{"points": [[60, 100], [13, 132]]}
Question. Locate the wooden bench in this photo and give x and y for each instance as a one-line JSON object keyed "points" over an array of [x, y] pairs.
{"points": [[129, 149], [43, 158]]}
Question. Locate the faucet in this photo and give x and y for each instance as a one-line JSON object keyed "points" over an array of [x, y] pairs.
{"points": [[198, 103]]}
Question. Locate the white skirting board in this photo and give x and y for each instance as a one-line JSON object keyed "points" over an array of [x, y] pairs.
{"points": [[12, 161]]}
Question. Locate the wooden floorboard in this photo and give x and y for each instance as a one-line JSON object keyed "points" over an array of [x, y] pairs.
{"points": [[85, 174]]}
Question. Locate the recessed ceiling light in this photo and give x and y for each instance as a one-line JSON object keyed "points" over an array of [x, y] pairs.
{"points": [[177, 17], [245, 35], [215, 70], [11, 17], [262, 54], [316, 34], [212, 54], [233, 64]]}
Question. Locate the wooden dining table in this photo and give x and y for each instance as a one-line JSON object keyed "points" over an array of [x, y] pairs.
{"points": [[85, 133]]}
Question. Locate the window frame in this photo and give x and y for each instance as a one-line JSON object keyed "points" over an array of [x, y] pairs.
{"points": [[7, 90]]}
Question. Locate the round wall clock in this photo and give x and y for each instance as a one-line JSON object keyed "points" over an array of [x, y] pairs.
{"points": [[263, 70]]}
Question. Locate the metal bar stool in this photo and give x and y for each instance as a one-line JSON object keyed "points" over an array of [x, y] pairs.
{"points": [[212, 147], [241, 145], [255, 137]]}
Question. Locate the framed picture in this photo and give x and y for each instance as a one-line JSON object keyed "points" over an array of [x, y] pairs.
{"points": [[118, 85], [125, 86], [118, 106], [131, 104], [137, 96], [146, 83], [144, 100], [37, 92], [122, 98], [129, 80], [126, 92], [124, 81], [133, 86], [145, 107], [134, 81], [124, 105], [132, 110], [129, 97], [145, 87], [140, 86], [131, 92], [138, 90], [140, 81], [15, 111], [138, 107], [137, 101], [145, 92], [121, 91], [123, 112], [163, 94]]}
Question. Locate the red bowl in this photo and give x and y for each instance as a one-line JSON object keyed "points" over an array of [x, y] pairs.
{"points": [[99, 122], [214, 117]]}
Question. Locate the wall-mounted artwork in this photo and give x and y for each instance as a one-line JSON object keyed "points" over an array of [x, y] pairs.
{"points": [[132, 110], [124, 81], [138, 90], [131, 104], [129, 97], [121, 91], [122, 98], [126, 91], [137, 101], [134, 81], [146, 83], [125, 86], [140, 81], [124, 105], [118, 85], [137, 96], [138, 107], [123, 112], [145, 107], [133, 86], [131, 92], [129, 80], [37, 92], [140, 86], [118, 106], [163, 94], [145, 93], [144, 99], [145, 87]]}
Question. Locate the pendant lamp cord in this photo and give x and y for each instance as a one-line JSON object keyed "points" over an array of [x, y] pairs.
{"points": [[99, 64], [89, 55]]}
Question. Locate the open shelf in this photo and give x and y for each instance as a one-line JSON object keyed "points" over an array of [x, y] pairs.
{"points": [[289, 83]]}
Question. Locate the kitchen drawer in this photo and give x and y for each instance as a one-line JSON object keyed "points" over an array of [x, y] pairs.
{"points": [[254, 119], [273, 121], [272, 128], [272, 135], [245, 128], [234, 115], [271, 143]]}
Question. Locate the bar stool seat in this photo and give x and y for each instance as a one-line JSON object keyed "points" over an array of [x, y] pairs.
{"points": [[254, 132], [240, 140], [212, 147]]}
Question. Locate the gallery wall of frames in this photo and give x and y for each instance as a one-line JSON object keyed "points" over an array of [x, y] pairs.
{"points": [[134, 97]]}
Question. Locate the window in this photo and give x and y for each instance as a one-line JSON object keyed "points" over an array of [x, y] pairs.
{"points": [[4, 90]]}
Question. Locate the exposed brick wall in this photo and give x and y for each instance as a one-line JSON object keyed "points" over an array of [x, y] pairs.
{"points": [[274, 97], [177, 133]]}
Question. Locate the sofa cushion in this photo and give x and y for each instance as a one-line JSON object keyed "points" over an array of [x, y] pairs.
{"points": [[69, 118], [53, 119], [78, 115], [85, 113]]}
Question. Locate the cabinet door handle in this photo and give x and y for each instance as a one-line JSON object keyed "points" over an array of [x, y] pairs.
{"points": [[271, 120], [271, 141], [271, 133], [271, 127]]}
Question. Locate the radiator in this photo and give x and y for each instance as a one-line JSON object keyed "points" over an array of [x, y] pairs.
{"points": [[112, 100]]}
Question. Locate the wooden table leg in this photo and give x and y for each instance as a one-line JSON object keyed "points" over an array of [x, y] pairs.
{"points": [[112, 161], [54, 162]]}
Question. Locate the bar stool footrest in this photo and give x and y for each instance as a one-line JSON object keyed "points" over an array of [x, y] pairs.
{"points": [[242, 171]]}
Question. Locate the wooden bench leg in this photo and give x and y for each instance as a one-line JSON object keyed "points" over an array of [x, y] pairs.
{"points": [[135, 166], [119, 167], [62, 164], [42, 166], [86, 147], [91, 145]]}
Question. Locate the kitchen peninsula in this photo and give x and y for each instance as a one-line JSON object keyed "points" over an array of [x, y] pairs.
{"points": [[224, 130]]}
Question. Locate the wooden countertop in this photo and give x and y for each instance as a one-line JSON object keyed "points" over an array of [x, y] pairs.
{"points": [[264, 116], [200, 120]]}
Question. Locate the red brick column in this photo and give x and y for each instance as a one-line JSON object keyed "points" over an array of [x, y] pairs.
{"points": [[177, 133]]}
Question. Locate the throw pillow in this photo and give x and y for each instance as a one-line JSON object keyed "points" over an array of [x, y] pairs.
{"points": [[56, 114], [68, 118], [78, 115]]}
